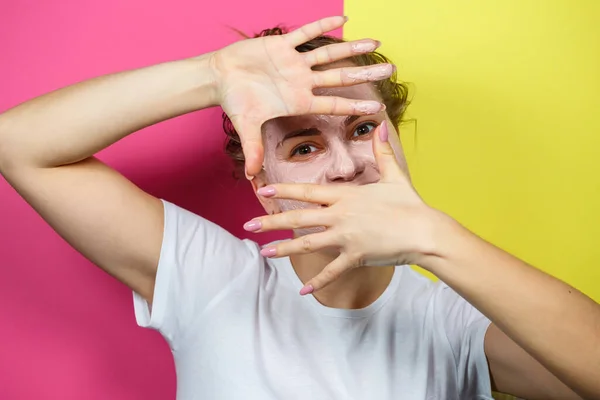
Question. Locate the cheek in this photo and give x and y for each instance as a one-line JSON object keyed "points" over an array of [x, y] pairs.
{"points": [[313, 171], [278, 171], [284, 172], [288, 205], [363, 152], [297, 173]]}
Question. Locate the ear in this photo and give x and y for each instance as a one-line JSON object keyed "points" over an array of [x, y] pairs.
{"points": [[270, 205]]}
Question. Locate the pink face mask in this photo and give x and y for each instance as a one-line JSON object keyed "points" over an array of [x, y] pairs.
{"points": [[327, 152], [322, 149]]}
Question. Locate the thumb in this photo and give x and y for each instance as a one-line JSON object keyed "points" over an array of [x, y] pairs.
{"points": [[252, 146], [253, 156], [384, 155]]}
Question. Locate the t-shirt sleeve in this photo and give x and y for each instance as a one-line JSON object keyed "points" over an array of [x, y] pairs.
{"points": [[198, 261], [465, 328]]}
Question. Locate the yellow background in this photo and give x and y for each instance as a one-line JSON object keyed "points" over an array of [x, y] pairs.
{"points": [[506, 97]]}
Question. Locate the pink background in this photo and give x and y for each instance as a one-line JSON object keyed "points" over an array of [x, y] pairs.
{"points": [[67, 330]]}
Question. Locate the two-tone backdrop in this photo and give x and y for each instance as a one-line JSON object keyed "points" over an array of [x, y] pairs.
{"points": [[504, 133]]}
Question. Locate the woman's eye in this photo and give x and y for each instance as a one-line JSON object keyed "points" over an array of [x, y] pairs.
{"points": [[364, 129], [303, 150]]}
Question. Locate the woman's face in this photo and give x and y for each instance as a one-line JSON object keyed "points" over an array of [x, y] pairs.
{"points": [[323, 149]]}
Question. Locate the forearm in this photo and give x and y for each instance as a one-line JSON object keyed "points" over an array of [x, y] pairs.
{"points": [[75, 122], [555, 323]]}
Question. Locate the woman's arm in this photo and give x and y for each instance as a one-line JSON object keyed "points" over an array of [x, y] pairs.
{"points": [[46, 148], [552, 321], [387, 223], [47, 144], [74, 123], [514, 371]]}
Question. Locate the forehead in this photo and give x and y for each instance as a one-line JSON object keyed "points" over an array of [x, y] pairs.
{"points": [[363, 91]]}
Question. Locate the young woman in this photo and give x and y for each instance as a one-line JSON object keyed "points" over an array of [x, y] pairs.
{"points": [[364, 326]]}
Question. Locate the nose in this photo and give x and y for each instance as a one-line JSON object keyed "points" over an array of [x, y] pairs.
{"points": [[344, 166]]}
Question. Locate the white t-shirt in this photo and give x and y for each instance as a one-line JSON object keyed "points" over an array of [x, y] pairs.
{"points": [[238, 328]]}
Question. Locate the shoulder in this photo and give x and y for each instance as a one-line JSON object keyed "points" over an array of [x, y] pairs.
{"points": [[199, 262], [191, 232], [434, 300], [199, 254], [449, 325]]}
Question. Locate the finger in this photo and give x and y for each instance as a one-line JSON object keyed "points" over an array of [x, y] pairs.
{"points": [[384, 156], [295, 219], [330, 273], [253, 155], [302, 245], [306, 192], [315, 29], [348, 76], [340, 51], [334, 105], [252, 147]]}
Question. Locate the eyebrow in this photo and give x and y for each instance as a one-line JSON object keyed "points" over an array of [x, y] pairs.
{"points": [[314, 131]]}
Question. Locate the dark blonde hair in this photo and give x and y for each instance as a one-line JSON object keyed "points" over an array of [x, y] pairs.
{"points": [[393, 94]]}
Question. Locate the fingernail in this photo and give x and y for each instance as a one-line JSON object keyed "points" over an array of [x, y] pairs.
{"points": [[268, 252], [383, 132], [307, 289], [266, 191], [253, 225], [368, 107], [346, 18], [363, 47]]}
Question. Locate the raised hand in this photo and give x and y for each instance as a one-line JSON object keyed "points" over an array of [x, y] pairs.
{"points": [[380, 224], [264, 78]]}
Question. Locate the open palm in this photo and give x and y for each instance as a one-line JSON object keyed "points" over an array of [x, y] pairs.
{"points": [[264, 78]]}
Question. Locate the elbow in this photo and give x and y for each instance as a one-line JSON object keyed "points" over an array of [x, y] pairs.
{"points": [[7, 155], [3, 146]]}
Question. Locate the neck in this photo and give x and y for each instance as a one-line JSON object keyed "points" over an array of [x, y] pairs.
{"points": [[357, 288]]}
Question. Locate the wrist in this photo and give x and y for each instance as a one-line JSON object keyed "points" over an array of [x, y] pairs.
{"points": [[443, 238], [202, 80]]}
